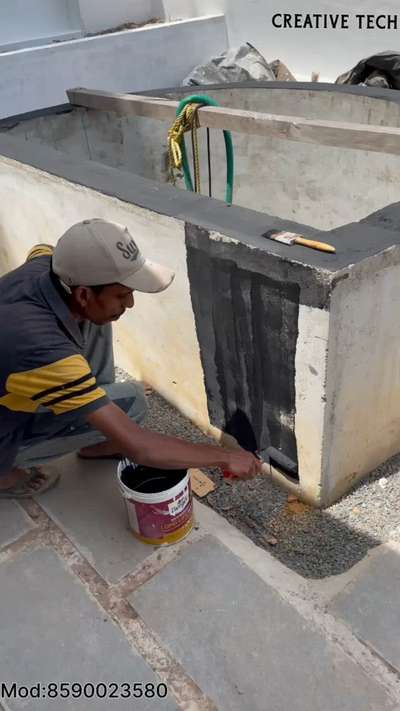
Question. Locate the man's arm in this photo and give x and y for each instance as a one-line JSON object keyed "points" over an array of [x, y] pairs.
{"points": [[155, 450]]}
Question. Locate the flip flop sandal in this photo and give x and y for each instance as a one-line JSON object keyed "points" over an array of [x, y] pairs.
{"points": [[23, 490]]}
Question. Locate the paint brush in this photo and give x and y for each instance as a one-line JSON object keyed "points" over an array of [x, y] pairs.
{"points": [[292, 238]]}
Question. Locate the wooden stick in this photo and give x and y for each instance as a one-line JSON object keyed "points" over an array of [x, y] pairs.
{"points": [[362, 137]]}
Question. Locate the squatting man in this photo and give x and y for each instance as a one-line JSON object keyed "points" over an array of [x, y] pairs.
{"points": [[57, 388]]}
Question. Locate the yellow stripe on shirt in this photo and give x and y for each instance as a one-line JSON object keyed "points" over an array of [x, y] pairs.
{"points": [[77, 401], [62, 386], [40, 250], [17, 403]]}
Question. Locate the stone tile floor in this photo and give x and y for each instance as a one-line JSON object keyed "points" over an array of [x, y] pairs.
{"points": [[217, 619]]}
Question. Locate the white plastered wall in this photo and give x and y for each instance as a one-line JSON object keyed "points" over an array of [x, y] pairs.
{"points": [[155, 341], [311, 365], [133, 60], [362, 416], [27, 23]]}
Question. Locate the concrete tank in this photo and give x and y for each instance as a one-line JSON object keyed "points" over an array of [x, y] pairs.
{"points": [[283, 346]]}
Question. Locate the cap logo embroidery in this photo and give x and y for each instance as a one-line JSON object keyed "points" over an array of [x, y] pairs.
{"points": [[129, 250]]}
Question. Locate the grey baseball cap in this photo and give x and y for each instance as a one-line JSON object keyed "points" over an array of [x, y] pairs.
{"points": [[100, 252]]}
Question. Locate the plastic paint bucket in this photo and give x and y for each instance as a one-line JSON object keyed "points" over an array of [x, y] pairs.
{"points": [[158, 502]]}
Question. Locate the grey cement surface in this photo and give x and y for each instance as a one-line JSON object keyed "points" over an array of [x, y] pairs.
{"points": [[13, 522], [370, 605], [51, 631], [314, 543], [89, 508], [239, 222], [260, 653]]}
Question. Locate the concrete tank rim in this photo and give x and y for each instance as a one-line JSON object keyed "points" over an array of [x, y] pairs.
{"points": [[241, 223], [391, 95]]}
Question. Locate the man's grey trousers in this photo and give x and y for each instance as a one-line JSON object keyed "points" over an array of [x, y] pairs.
{"points": [[50, 436]]}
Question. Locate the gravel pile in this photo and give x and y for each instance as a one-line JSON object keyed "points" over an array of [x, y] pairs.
{"points": [[314, 543]]}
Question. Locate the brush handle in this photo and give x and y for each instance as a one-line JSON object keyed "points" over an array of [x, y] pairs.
{"points": [[321, 246]]}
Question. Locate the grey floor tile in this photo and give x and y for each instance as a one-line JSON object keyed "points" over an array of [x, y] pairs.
{"points": [[89, 508], [370, 605], [243, 644], [14, 522], [52, 631]]}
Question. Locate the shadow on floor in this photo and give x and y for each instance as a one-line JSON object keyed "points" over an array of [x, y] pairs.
{"points": [[314, 543]]}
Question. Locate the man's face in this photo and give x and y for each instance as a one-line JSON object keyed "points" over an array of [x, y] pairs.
{"points": [[104, 306]]}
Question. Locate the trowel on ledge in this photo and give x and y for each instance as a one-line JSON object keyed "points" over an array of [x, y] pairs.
{"points": [[292, 238]]}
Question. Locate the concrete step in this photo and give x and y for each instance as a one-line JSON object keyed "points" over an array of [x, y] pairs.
{"points": [[369, 604], [53, 632], [243, 644]]}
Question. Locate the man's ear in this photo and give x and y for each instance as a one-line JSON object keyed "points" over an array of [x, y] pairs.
{"points": [[82, 295]]}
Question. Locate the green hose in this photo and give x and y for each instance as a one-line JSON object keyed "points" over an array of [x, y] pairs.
{"points": [[207, 101]]}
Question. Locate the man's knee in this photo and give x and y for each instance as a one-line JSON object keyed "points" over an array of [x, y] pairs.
{"points": [[139, 406], [130, 397]]}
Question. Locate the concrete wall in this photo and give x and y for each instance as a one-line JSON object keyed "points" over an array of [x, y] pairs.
{"points": [[28, 23], [330, 52], [98, 16], [362, 413], [311, 368], [134, 60], [318, 185]]}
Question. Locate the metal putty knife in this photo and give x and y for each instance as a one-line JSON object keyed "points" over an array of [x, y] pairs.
{"points": [[291, 238]]}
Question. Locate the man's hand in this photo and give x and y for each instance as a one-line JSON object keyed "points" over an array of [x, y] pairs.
{"points": [[243, 464]]}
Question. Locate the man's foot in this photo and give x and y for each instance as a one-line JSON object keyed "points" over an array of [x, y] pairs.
{"points": [[25, 483]]}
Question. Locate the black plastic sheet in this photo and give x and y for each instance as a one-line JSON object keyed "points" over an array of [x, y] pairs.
{"points": [[381, 70]]}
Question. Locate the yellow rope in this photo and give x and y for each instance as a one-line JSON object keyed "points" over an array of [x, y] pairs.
{"points": [[187, 120]]}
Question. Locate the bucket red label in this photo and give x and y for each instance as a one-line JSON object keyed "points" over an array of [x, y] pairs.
{"points": [[161, 520]]}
